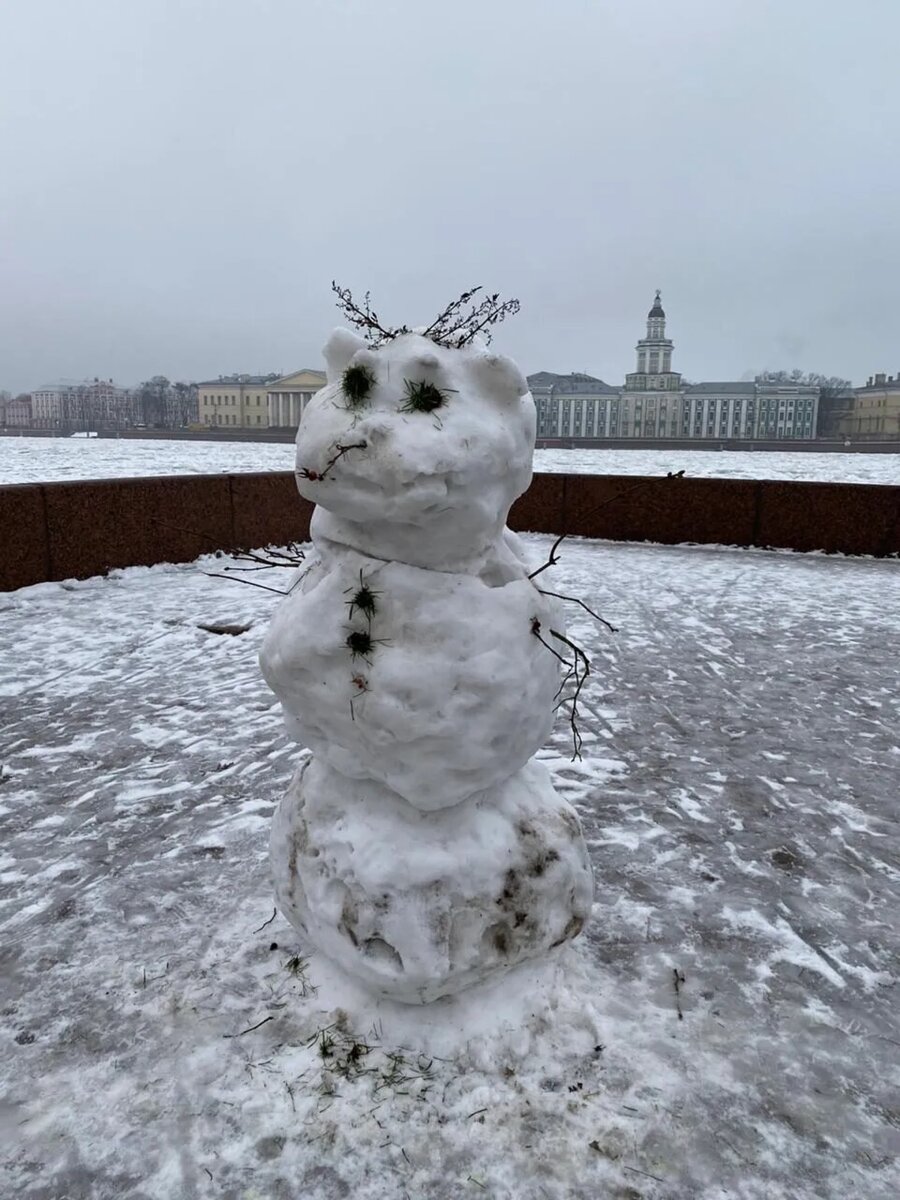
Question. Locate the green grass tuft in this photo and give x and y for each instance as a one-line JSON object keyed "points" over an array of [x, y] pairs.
{"points": [[356, 384], [422, 396], [360, 643]]}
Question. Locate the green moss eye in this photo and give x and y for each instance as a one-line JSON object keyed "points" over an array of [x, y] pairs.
{"points": [[356, 384], [364, 599], [422, 396]]}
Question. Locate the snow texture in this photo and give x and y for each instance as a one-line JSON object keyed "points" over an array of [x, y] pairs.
{"points": [[431, 489], [419, 851], [739, 795], [455, 694], [36, 460], [424, 904]]}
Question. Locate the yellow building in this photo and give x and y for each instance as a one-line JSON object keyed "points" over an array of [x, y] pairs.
{"points": [[289, 396], [235, 401], [875, 411]]}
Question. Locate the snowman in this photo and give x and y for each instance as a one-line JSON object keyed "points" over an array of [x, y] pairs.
{"points": [[420, 847]]}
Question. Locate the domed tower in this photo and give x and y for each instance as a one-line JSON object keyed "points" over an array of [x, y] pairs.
{"points": [[654, 356]]}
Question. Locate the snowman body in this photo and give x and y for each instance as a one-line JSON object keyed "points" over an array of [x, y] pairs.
{"points": [[420, 847]]}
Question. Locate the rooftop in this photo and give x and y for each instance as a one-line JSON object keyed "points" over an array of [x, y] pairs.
{"points": [[576, 383], [738, 385], [238, 380], [739, 798]]}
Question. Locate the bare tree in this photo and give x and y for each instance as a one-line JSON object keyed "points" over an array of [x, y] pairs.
{"points": [[184, 397], [153, 399]]}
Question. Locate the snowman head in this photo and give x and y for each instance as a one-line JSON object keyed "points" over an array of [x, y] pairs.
{"points": [[434, 440]]}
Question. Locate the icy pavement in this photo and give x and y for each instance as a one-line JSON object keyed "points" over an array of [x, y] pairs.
{"points": [[739, 791], [42, 460]]}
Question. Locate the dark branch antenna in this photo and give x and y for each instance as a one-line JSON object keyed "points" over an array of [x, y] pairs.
{"points": [[455, 326]]}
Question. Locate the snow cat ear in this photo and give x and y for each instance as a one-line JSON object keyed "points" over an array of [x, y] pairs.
{"points": [[338, 351], [499, 377]]}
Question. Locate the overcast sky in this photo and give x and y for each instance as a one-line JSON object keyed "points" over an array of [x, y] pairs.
{"points": [[180, 180]]}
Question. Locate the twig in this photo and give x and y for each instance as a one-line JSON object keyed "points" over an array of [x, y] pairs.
{"points": [[575, 600], [250, 1030], [453, 327], [290, 560], [363, 318], [250, 555], [249, 582], [579, 657], [317, 476], [733, 1149], [476, 1113], [678, 980], [453, 307], [580, 681], [553, 560], [269, 922], [556, 654], [646, 1174]]}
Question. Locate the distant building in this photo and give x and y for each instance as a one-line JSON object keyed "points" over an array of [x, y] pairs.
{"points": [[656, 403], [48, 403], [875, 409], [289, 396], [16, 412], [234, 401], [81, 404]]}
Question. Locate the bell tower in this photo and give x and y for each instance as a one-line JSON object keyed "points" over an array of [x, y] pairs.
{"points": [[654, 356]]}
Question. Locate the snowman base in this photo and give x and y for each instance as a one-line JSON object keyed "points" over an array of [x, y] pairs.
{"points": [[419, 905]]}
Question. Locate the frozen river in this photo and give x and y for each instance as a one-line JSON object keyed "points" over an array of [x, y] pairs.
{"points": [[41, 460]]}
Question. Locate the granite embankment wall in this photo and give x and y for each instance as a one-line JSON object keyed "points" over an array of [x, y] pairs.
{"points": [[73, 530]]}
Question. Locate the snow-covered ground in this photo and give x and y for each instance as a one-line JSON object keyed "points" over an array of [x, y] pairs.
{"points": [[739, 794], [36, 460]]}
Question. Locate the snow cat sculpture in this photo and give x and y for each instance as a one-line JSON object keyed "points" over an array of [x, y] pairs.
{"points": [[421, 847]]}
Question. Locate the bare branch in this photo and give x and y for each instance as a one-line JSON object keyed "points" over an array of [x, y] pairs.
{"points": [[363, 318], [579, 660], [317, 476], [552, 559], [248, 582], [575, 600], [453, 327], [250, 1030]]}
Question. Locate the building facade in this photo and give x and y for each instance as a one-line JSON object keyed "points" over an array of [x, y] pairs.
{"points": [[656, 403], [82, 404], [289, 396], [15, 413], [235, 401], [875, 409]]}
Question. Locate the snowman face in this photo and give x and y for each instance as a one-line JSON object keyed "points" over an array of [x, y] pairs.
{"points": [[416, 433]]}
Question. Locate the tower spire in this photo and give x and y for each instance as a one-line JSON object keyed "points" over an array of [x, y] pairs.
{"points": [[654, 355]]}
